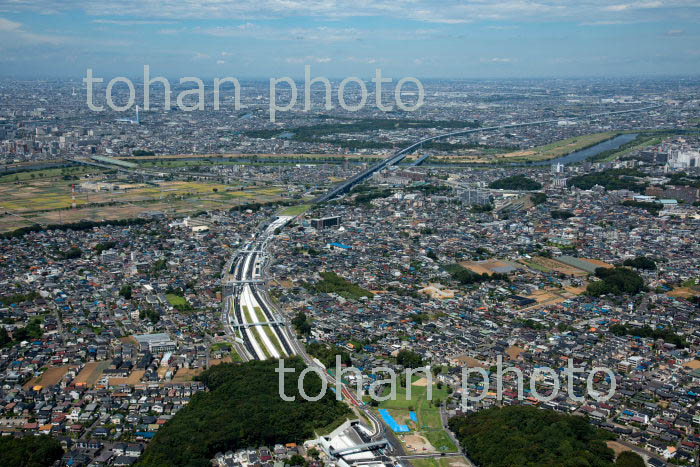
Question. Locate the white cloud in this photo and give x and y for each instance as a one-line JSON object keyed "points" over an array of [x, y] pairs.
{"points": [[675, 32], [8, 26], [14, 33], [497, 60], [308, 59], [131, 22], [440, 12]]}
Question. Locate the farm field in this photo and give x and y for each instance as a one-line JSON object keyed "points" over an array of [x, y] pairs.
{"points": [[547, 265], [47, 200], [489, 267], [295, 210]]}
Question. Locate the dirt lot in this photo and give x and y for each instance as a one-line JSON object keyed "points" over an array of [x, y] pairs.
{"points": [[559, 267], [423, 382], [417, 443], [134, 378], [51, 376], [91, 373], [481, 267], [683, 292], [186, 374]]}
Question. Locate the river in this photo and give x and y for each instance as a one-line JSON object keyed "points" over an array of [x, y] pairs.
{"points": [[578, 156]]}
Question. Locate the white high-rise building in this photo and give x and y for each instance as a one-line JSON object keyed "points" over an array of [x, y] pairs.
{"points": [[683, 159]]}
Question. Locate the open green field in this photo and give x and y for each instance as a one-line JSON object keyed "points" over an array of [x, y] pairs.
{"points": [[176, 300], [429, 426], [295, 210], [447, 461], [558, 148], [45, 197]]}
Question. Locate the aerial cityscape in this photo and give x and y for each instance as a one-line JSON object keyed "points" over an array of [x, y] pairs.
{"points": [[286, 233]]}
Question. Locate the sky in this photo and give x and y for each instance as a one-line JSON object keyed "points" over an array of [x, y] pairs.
{"points": [[340, 38]]}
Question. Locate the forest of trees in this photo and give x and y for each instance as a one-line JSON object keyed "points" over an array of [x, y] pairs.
{"points": [[615, 179], [29, 451], [409, 359], [465, 276], [516, 182], [242, 408], [561, 214], [82, 225], [641, 262], [616, 281], [530, 437]]}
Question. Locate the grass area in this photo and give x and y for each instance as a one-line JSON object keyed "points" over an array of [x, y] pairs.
{"points": [[558, 148], [49, 173], [295, 210], [176, 300], [534, 265], [447, 461], [428, 411], [440, 440]]}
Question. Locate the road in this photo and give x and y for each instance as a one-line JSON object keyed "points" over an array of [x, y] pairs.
{"points": [[399, 155], [244, 290]]}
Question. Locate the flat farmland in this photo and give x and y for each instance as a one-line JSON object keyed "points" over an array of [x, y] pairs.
{"points": [[547, 264], [48, 200]]}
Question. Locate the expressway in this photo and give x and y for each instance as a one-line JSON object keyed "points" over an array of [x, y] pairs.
{"points": [[257, 328], [399, 155], [261, 331]]}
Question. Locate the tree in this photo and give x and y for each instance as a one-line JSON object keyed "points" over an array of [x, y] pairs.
{"points": [[243, 408], [297, 460], [409, 359], [527, 436], [629, 459], [125, 291], [5, 339], [641, 262], [30, 451], [616, 281], [516, 182]]}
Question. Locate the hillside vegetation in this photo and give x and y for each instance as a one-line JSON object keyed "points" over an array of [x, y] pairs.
{"points": [[530, 437], [243, 408]]}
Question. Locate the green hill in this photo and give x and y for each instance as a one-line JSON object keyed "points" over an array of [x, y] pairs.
{"points": [[242, 408], [530, 437]]}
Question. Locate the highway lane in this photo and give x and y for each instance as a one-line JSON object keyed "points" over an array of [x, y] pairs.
{"points": [[243, 268], [399, 155]]}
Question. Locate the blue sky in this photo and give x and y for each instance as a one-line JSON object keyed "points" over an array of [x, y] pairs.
{"points": [[422, 38]]}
